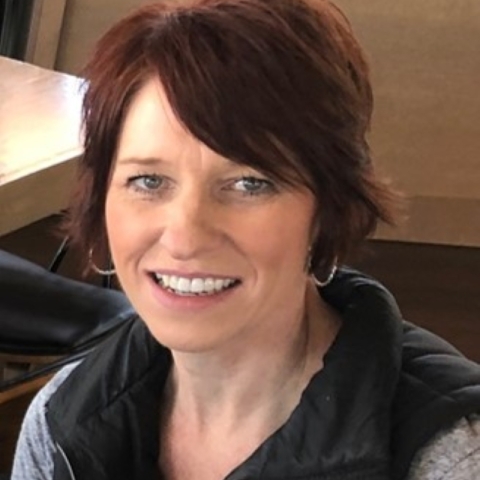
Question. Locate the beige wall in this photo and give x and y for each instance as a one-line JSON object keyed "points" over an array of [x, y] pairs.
{"points": [[425, 58], [84, 22], [45, 32], [426, 71]]}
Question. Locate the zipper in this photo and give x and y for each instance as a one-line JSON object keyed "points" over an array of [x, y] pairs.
{"points": [[65, 459]]}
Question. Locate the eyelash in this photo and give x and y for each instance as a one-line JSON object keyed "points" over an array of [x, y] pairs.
{"points": [[132, 183], [266, 186]]}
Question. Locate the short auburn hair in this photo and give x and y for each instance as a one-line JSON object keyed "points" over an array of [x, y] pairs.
{"points": [[281, 86]]}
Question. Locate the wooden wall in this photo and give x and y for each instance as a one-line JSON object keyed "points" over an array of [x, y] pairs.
{"points": [[426, 132]]}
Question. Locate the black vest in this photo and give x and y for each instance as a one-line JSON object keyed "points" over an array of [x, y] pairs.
{"points": [[386, 388]]}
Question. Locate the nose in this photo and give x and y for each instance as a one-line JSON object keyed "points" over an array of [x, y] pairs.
{"points": [[189, 226]]}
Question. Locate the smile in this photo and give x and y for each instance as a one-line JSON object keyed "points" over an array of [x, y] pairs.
{"points": [[194, 286]]}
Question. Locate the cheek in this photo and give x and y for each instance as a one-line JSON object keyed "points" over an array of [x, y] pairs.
{"points": [[124, 229], [114, 221], [278, 242]]}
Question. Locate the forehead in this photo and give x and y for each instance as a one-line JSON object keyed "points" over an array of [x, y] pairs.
{"points": [[152, 136], [151, 130], [150, 113]]}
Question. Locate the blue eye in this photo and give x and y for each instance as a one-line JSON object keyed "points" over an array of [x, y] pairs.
{"points": [[253, 185], [146, 183]]}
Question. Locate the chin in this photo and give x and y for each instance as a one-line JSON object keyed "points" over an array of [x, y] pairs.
{"points": [[187, 336]]}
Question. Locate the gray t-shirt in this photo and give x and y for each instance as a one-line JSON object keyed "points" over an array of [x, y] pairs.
{"points": [[452, 454]]}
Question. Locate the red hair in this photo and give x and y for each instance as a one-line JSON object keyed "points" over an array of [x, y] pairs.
{"points": [[282, 86]]}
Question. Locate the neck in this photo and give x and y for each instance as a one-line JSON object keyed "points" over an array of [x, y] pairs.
{"points": [[258, 383]]}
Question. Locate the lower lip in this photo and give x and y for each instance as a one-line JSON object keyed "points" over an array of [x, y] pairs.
{"points": [[172, 301]]}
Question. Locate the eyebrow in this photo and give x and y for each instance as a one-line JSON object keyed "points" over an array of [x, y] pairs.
{"points": [[155, 161], [148, 161], [144, 161]]}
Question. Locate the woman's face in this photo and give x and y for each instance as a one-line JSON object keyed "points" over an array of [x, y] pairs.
{"points": [[209, 252]]}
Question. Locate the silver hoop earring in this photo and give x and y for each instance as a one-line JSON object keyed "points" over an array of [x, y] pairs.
{"points": [[105, 273], [325, 282]]}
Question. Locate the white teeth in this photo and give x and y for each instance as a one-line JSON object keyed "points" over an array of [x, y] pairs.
{"points": [[209, 285], [183, 285], [197, 285], [194, 286], [218, 284]]}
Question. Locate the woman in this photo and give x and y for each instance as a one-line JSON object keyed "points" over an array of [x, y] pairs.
{"points": [[226, 162]]}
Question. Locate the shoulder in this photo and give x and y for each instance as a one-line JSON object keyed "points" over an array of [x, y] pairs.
{"points": [[453, 454], [35, 447]]}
